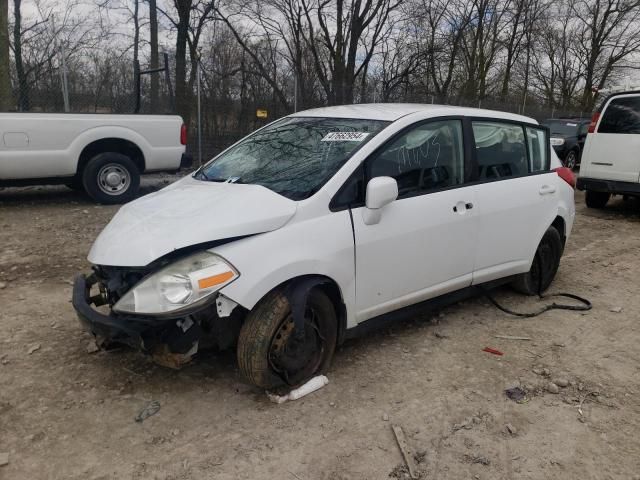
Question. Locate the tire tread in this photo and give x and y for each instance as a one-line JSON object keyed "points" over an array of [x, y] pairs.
{"points": [[525, 283]]}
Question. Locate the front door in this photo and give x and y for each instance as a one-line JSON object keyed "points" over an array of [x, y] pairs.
{"points": [[424, 243], [613, 152]]}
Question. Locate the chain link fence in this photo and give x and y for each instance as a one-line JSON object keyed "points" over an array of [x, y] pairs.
{"points": [[113, 87], [97, 86]]}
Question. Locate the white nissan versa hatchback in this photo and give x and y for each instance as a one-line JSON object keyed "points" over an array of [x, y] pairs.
{"points": [[321, 224]]}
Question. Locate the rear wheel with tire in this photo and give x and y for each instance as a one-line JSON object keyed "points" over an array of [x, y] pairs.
{"points": [[111, 178], [571, 160], [596, 199], [544, 267], [271, 355]]}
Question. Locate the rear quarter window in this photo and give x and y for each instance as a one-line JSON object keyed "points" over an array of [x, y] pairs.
{"points": [[622, 115], [538, 149]]}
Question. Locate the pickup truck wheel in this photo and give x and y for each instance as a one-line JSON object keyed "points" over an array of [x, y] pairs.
{"points": [[544, 267], [111, 178], [269, 353], [596, 199]]}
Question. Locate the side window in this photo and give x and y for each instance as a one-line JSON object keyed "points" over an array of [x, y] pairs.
{"points": [[500, 149], [427, 157], [622, 115], [538, 151]]}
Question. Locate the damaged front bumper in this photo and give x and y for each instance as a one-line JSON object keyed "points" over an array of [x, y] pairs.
{"points": [[171, 341]]}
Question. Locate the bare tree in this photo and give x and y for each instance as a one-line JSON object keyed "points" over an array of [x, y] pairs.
{"points": [[266, 53], [23, 85], [191, 17], [556, 69], [398, 60], [5, 81], [154, 57], [264, 66], [335, 44], [609, 33], [136, 30]]}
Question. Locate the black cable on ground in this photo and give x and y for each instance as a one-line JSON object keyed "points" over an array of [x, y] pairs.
{"points": [[586, 304]]}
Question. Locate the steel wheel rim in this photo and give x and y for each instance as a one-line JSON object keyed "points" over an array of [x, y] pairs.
{"points": [[281, 349], [571, 160], [113, 179]]}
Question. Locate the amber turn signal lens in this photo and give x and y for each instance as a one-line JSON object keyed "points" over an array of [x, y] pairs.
{"points": [[214, 280]]}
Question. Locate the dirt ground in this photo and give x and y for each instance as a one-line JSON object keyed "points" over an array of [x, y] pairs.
{"points": [[69, 414]]}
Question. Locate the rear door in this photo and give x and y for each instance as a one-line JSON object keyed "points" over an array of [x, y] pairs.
{"points": [[516, 196], [613, 151]]}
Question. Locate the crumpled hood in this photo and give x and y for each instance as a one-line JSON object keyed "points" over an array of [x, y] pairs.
{"points": [[187, 213]]}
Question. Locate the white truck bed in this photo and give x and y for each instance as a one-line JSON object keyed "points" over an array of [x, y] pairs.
{"points": [[56, 148]]}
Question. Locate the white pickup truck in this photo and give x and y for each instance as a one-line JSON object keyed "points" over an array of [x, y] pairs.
{"points": [[102, 154]]}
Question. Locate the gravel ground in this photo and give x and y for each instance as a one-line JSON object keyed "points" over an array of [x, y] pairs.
{"points": [[69, 414]]}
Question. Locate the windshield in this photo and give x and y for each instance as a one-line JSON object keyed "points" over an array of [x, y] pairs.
{"points": [[562, 127], [293, 157]]}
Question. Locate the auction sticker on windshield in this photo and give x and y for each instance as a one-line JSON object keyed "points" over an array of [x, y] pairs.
{"points": [[345, 137]]}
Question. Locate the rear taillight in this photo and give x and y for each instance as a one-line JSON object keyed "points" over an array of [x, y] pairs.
{"points": [[567, 175], [183, 134], [594, 122]]}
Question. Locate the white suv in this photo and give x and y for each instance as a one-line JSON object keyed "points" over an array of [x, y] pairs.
{"points": [[611, 157], [324, 223]]}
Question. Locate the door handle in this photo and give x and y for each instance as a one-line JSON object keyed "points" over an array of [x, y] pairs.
{"points": [[461, 207], [546, 190]]}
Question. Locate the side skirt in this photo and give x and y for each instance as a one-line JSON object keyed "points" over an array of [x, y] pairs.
{"points": [[24, 182], [435, 303]]}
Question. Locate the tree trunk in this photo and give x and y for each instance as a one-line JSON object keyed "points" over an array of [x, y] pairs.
{"points": [[527, 66], [136, 48], [136, 30], [182, 95], [23, 86], [5, 81], [153, 40]]}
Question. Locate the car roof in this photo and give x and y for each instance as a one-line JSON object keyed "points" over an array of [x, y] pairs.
{"points": [[567, 119], [611, 96], [393, 111]]}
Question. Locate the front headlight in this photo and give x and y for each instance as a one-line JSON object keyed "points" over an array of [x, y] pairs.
{"points": [[185, 283], [556, 142]]}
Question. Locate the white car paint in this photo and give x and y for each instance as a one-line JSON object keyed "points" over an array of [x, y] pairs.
{"points": [[195, 212], [419, 248], [513, 216], [612, 156], [407, 257], [45, 145]]}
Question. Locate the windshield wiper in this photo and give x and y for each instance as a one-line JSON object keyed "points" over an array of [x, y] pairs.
{"points": [[201, 175], [233, 180]]}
